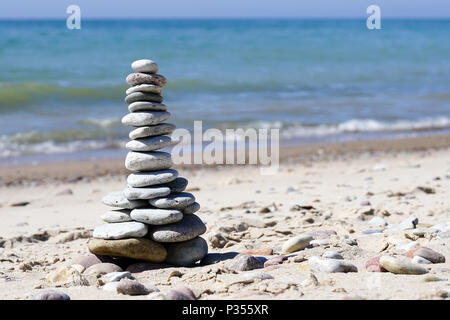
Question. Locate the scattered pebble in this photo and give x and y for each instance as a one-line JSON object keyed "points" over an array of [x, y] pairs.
{"points": [[274, 261], [245, 263], [297, 243], [401, 266], [132, 288], [319, 264]]}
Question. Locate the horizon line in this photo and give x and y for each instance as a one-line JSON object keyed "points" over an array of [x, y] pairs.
{"points": [[230, 18]]}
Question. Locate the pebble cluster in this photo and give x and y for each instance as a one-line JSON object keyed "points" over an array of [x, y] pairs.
{"points": [[154, 218]]}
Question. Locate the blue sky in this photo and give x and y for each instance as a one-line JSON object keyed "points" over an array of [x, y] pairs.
{"points": [[223, 8]]}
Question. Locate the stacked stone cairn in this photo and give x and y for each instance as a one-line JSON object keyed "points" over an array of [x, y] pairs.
{"points": [[154, 219]]}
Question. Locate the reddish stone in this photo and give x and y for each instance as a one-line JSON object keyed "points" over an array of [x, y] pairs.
{"points": [[260, 251], [373, 265], [274, 261], [410, 253]]}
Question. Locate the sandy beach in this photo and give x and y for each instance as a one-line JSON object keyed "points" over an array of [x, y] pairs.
{"points": [[48, 212]]}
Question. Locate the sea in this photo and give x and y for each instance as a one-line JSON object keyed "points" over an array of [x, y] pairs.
{"points": [[316, 80]]}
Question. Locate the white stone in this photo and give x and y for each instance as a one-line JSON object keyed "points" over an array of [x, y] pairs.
{"points": [[144, 179], [296, 243], [177, 201], [149, 88], [318, 264], [145, 118], [145, 66], [118, 199], [150, 143], [146, 193], [148, 161], [156, 216], [120, 230], [148, 131], [114, 216]]}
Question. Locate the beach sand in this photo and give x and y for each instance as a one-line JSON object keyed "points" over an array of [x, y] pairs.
{"points": [[48, 212]]}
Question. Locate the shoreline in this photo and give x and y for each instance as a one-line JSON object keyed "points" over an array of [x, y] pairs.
{"points": [[73, 171]]}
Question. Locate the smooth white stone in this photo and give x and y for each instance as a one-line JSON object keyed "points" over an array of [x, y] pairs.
{"points": [[296, 243], [118, 199], [318, 264], [156, 216], [115, 216], [145, 66], [148, 161], [150, 143], [145, 118], [149, 88], [149, 131], [177, 201], [146, 193], [121, 230], [144, 179]]}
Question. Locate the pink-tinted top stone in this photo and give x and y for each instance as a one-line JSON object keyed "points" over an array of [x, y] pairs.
{"points": [[373, 265]]}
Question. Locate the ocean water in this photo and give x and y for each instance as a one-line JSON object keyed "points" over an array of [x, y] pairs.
{"points": [[62, 91]]}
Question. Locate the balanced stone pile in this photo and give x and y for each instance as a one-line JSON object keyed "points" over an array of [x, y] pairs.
{"points": [[154, 220]]}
